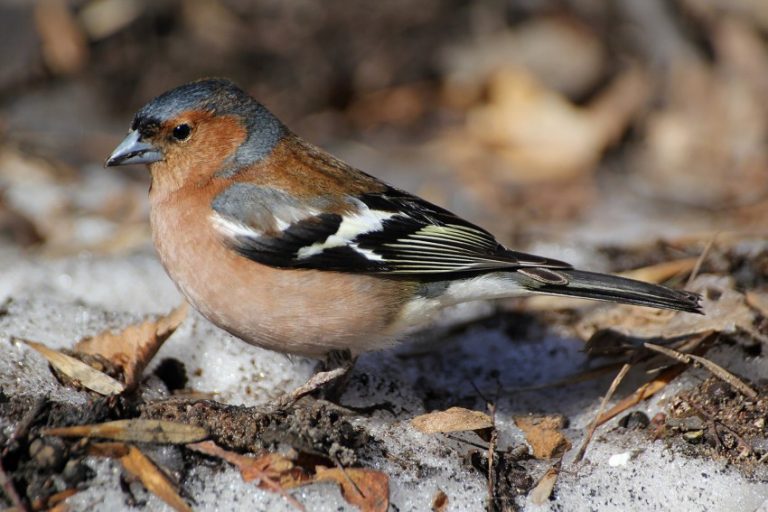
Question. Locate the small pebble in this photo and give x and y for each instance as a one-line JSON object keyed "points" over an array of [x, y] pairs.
{"points": [[636, 420]]}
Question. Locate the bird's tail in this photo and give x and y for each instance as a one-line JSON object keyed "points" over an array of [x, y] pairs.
{"points": [[592, 285]]}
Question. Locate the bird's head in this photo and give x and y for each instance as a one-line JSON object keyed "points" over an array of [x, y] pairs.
{"points": [[196, 130]]}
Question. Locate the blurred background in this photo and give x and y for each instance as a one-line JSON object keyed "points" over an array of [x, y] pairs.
{"points": [[579, 128]]}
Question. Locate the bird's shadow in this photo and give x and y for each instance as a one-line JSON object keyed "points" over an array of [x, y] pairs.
{"points": [[512, 360]]}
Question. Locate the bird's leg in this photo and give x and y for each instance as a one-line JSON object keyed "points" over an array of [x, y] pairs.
{"points": [[332, 379]]}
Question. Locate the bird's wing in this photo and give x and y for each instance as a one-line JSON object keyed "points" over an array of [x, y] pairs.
{"points": [[389, 232]]}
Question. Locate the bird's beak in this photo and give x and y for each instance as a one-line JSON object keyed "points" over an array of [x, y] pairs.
{"points": [[133, 151]]}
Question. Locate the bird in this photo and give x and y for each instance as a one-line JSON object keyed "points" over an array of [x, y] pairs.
{"points": [[289, 248]]}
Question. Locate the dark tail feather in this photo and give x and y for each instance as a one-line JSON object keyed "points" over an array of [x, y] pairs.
{"points": [[592, 285]]}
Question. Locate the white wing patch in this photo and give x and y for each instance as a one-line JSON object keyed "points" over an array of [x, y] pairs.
{"points": [[283, 219], [352, 226], [231, 228]]}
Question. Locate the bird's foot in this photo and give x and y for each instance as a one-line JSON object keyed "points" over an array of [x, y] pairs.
{"points": [[331, 381]]}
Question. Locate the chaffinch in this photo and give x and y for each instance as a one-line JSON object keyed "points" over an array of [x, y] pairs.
{"points": [[293, 250]]}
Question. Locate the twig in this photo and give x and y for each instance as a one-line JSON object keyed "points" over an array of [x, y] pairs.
{"points": [[697, 342], [593, 426], [700, 261], [647, 390], [347, 477], [543, 489], [715, 369], [10, 490], [491, 452]]}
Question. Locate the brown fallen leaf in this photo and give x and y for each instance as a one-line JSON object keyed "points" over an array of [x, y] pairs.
{"points": [[137, 431], [712, 157], [111, 450], [102, 19], [273, 471], [364, 488], [64, 47], [57, 501], [661, 272], [140, 466], [455, 419], [133, 347], [757, 301], [543, 490], [543, 434], [440, 501], [541, 134], [537, 44], [16, 227], [78, 371], [59, 507]]}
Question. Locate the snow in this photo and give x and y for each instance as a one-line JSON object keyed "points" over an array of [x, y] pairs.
{"points": [[58, 301]]}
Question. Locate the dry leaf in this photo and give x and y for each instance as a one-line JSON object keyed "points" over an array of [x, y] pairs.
{"points": [[758, 301], [660, 272], [543, 434], [104, 18], [543, 490], [138, 431], [79, 371], [440, 501], [536, 44], [133, 347], [267, 466], [56, 502], [273, 471], [543, 136], [111, 450], [140, 466], [16, 227], [65, 49], [59, 507], [364, 488], [455, 419], [713, 157]]}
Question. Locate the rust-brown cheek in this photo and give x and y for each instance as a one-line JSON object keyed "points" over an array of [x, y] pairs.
{"points": [[214, 140]]}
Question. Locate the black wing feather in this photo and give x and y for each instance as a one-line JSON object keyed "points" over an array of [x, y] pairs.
{"points": [[418, 238]]}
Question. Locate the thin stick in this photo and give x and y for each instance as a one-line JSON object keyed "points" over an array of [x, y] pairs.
{"points": [[593, 426], [6, 483], [347, 477], [700, 261], [714, 368], [491, 452]]}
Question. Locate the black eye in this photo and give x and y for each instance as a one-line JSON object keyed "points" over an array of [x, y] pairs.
{"points": [[181, 132]]}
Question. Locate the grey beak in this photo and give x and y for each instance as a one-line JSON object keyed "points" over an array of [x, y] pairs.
{"points": [[133, 151]]}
